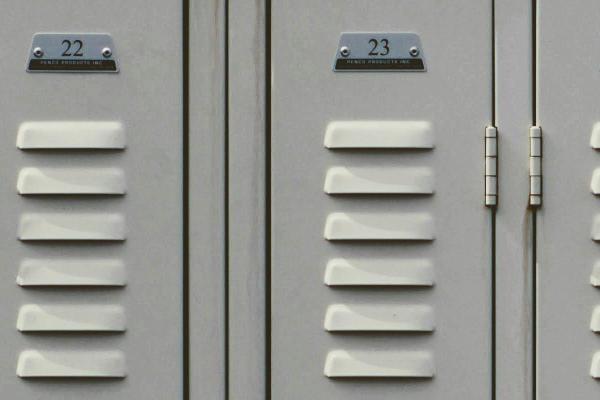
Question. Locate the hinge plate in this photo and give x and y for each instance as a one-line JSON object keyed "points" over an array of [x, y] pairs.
{"points": [[491, 166], [535, 166]]}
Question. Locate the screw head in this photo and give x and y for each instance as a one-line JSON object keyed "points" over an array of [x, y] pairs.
{"points": [[106, 52], [38, 52], [414, 51], [345, 51]]}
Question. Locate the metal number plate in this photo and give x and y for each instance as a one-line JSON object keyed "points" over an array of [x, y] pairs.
{"points": [[364, 51], [72, 52]]}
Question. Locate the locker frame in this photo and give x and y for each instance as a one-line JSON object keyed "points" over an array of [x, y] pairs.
{"points": [[205, 374], [514, 275], [248, 208]]}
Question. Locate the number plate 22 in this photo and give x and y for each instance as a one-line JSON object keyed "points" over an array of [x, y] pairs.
{"points": [[72, 52]]}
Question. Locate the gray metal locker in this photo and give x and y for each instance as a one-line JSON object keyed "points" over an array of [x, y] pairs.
{"points": [[91, 193], [568, 81], [287, 200], [380, 243]]}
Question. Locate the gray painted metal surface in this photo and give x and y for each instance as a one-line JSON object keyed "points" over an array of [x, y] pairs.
{"points": [[454, 96], [106, 301], [140, 231], [513, 83], [246, 200], [567, 105], [207, 311]]}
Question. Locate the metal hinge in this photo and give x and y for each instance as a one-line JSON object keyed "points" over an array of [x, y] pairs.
{"points": [[535, 166], [491, 166]]}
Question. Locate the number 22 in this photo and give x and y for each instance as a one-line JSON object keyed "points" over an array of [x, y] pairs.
{"points": [[69, 44]]}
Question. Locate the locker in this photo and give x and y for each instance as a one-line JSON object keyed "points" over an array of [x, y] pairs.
{"points": [[91, 188], [299, 200], [567, 229], [379, 241]]}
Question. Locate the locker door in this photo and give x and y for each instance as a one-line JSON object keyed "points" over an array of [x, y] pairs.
{"points": [[91, 183], [568, 230], [380, 243]]}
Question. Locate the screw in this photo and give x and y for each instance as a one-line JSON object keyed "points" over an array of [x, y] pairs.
{"points": [[414, 51], [38, 52], [106, 52], [345, 51]]}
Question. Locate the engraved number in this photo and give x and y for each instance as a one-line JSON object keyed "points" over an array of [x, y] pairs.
{"points": [[77, 46], [379, 47]]}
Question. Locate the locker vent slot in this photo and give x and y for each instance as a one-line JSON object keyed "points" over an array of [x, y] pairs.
{"points": [[342, 180], [72, 227], [595, 367], [34, 181], [595, 184], [62, 272], [378, 272], [416, 318], [595, 277], [372, 226], [71, 135], [595, 138], [39, 272], [595, 322], [342, 226], [379, 364], [65, 272], [69, 318], [379, 134], [71, 364], [596, 228]]}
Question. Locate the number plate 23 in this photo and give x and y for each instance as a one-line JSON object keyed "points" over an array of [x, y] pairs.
{"points": [[379, 51], [72, 52]]}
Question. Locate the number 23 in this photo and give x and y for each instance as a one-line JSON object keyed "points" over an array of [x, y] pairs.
{"points": [[384, 48]]}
